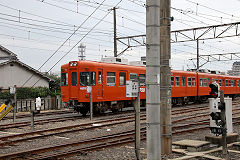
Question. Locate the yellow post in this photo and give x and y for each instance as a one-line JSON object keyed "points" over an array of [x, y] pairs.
{"points": [[6, 112], [2, 107]]}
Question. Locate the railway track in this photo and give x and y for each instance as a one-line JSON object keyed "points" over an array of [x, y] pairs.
{"points": [[97, 143]]}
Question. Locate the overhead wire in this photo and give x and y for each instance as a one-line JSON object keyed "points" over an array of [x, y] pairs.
{"points": [[65, 41], [81, 39]]}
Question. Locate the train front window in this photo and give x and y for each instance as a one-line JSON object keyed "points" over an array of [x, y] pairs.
{"points": [[87, 78], [74, 78], [64, 79], [142, 79]]}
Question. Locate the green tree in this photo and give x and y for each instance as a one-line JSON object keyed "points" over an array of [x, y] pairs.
{"points": [[54, 85]]}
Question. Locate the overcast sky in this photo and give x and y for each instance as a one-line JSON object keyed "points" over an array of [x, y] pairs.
{"points": [[35, 29]]}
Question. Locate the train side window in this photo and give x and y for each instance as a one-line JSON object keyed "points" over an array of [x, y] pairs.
{"points": [[238, 83], [177, 81], [99, 77], [226, 82], [223, 82], [122, 78], [64, 79], [111, 79], [205, 82], [209, 81], [193, 81], [220, 82], [235, 83], [217, 81], [87, 78], [201, 82], [172, 81], [133, 76], [189, 81], [142, 79], [183, 81], [213, 80]]}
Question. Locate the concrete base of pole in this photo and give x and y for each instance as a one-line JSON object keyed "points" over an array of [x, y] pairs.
{"points": [[233, 137]]}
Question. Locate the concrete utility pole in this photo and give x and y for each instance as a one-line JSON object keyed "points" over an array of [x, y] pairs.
{"points": [[165, 84], [115, 31], [197, 55], [153, 79]]}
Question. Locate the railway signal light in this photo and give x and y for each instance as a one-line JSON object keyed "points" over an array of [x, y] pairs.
{"points": [[214, 90]]}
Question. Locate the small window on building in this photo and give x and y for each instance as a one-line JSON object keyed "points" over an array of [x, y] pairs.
{"points": [[111, 79], [133, 76], [177, 81], [205, 82], [189, 81], [235, 83], [183, 81], [172, 81], [122, 78], [220, 82], [201, 82], [142, 79], [74, 78], [193, 81], [223, 82], [64, 79]]}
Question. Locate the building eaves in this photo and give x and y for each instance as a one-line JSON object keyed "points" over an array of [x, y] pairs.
{"points": [[26, 66]]}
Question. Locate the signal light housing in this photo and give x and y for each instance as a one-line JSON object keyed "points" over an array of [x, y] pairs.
{"points": [[214, 90]]}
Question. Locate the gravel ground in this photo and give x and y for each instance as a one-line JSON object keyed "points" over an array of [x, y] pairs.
{"points": [[125, 152]]}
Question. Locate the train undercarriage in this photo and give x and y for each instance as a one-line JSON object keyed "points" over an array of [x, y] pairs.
{"points": [[115, 106]]}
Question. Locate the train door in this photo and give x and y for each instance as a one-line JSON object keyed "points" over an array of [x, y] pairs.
{"points": [[73, 84], [100, 83]]}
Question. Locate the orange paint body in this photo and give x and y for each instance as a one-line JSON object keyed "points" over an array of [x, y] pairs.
{"points": [[108, 87]]}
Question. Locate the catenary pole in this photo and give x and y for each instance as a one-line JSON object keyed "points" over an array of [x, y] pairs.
{"points": [[115, 31], [153, 79], [165, 74]]}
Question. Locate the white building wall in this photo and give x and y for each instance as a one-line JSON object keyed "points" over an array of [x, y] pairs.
{"points": [[18, 75]]}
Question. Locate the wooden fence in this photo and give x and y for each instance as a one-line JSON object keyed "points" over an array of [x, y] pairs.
{"points": [[48, 103]]}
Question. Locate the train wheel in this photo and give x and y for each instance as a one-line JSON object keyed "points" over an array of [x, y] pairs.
{"points": [[83, 110]]}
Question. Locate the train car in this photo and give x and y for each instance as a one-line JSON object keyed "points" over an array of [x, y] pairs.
{"points": [[108, 81]]}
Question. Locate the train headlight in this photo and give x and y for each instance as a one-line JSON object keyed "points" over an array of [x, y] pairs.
{"points": [[73, 64]]}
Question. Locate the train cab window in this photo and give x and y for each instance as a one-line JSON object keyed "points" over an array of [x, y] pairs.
{"points": [[193, 81], [223, 82], [189, 81], [87, 78], [205, 82], [64, 79], [99, 77], [74, 78], [133, 76], [172, 81], [201, 82], [142, 79], [177, 81], [183, 81], [122, 78], [238, 83], [220, 82], [111, 79], [235, 83]]}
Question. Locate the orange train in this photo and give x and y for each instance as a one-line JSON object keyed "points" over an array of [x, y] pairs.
{"points": [[108, 83]]}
